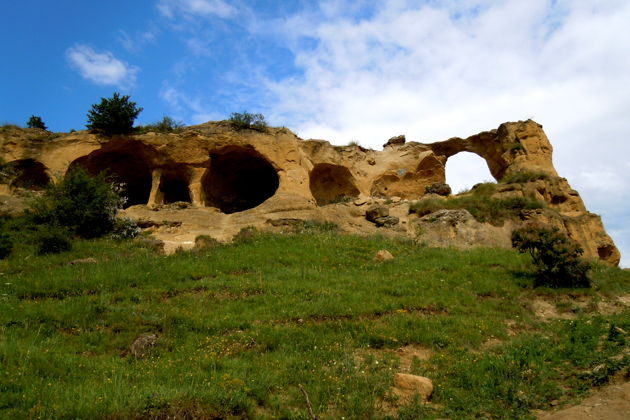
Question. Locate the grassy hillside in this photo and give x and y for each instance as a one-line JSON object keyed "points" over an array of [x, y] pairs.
{"points": [[240, 326]]}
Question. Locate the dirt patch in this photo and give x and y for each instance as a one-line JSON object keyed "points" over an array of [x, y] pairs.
{"points": [[407, 354], [611, 402], [547, 310]]}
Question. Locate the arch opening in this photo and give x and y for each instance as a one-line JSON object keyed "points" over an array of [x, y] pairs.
{"points": [[238, 179], [130, 170], [465, 169], [174, 186], [30, 174], [332, 183]]}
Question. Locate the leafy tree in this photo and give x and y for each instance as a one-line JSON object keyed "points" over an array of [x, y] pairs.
{"points": [[246, 120], [113, 116], [36, 122], [556, 257], [84, 204]]}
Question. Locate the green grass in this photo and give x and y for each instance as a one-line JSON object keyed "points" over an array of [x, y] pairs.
{"points": [[240, 326], [481, 205]]}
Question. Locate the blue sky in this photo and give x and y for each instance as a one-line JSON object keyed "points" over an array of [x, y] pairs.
{"points": [[345, 71]]}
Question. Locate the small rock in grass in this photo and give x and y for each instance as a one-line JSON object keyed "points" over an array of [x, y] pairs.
{"points": [[407, 386], [142, 345], [383, 255]]}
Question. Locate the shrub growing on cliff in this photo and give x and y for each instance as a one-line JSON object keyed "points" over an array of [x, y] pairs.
{"points": [[556, 257], [165, 125], [86, 205], [36, 122], [113, 115], [246, 120]]}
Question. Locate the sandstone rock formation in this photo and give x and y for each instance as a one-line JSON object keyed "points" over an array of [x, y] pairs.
{"points": [[234, 179]]}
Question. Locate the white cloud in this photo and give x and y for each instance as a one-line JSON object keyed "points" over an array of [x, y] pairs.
{"points": [[195, 8], [101, 68], [434, 70]]}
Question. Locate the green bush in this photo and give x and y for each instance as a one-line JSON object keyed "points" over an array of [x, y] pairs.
{"points": [[166, 125], [86, 205], [113, 116], [248, 121], [523, 177], [124, 228], [52, 240], [36, 122], [556, 257]]}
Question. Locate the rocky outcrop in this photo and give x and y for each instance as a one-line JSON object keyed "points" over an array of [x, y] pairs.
{"points": [[232, 179]]}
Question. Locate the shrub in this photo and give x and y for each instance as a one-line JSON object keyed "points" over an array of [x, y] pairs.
{"points": [[556, 257], [166, 125], [248, 121], [124, 228], [113, 116], [84, 204], [52, 240], [523, 177], [36, 122]]}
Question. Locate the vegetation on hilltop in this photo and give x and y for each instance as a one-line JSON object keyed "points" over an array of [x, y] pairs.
{"points": [[113, 115], [248, 121]]}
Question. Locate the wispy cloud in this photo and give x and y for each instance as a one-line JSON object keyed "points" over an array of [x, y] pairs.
{"points": [[102, 68], [195, 8], [134, 43]]}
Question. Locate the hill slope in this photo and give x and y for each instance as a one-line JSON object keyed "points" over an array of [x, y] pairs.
{"points": [[231, 331]]}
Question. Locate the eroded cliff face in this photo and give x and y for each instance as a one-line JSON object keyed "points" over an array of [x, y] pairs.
{"points": [[232, 179]]}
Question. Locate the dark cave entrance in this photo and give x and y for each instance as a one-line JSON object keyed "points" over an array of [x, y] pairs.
{"points": [[332, 184], [29, 174], [120, 167], [174, 185], [238, 179]]}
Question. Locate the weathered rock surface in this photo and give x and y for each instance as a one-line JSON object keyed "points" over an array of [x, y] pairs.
{"points": [[407, 387], [383, 255], [214, 181]]}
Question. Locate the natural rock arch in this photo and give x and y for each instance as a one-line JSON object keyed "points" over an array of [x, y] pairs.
{"points": [[238, 179], [30, 174], [331, 183], [465, 169], [124, 167]]}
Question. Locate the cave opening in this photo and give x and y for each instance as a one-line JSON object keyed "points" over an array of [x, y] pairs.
{"points": [[238, 179], [29, 174], [174, 186], [120, 167], [332, 184]]}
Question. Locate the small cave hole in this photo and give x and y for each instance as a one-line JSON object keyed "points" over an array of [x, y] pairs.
{"points": [[29, 174], [239, 179], [332, 184]]}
